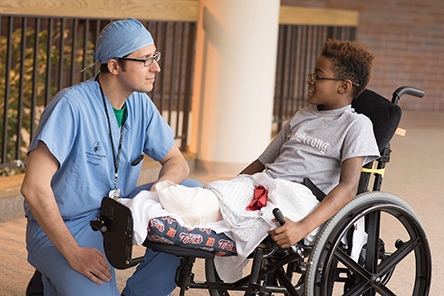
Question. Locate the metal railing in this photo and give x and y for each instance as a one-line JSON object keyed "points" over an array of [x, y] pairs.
{"points": [[41, 55]]}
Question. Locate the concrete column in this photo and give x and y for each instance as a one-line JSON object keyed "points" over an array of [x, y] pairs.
{"points": [[234, 78]]}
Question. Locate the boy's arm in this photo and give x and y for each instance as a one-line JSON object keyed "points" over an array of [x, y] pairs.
{"points": [[270, 153], [36, 189], [253, 168], [292, 232]]}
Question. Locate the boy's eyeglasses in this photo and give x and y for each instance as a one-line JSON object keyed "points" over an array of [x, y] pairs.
{"points": [[146, 62], [312, 78]]}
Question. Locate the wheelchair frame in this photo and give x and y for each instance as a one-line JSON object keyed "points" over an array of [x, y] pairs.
{"points": [[322, 265]]}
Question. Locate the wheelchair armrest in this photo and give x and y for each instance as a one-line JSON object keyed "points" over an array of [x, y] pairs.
{"points": [[117, 236], [316, 191]]}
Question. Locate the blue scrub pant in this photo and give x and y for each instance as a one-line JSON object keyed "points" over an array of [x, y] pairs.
{"points": [[155, 276], [57, 276]]}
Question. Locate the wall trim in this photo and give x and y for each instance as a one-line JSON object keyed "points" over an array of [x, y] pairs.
{"points": [[156, 10], [293, 15], [167, 10]]}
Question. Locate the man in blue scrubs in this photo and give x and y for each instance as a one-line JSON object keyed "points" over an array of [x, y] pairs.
{"points": [[89, 144]]}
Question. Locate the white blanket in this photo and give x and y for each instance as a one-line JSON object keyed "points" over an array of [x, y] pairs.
{"points": [[294, 200], [246, 228], [147, 205], [249, 228]]}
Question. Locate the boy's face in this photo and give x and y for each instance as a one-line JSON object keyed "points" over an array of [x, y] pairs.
{"points": [[326, 92]]}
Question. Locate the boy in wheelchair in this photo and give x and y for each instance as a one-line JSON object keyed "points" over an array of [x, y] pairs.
{"points": [[327, 142]]}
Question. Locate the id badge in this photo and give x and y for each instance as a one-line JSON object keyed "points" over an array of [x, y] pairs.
{"points": [[114, 194]]}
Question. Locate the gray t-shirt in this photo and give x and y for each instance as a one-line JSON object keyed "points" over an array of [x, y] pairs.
{"points": [[314, 144]]}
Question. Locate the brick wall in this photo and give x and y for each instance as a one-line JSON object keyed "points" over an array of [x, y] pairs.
{"points": [[407, 39]]}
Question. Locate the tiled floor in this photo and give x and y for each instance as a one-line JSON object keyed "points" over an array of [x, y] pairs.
{"points": [[415, 174]]}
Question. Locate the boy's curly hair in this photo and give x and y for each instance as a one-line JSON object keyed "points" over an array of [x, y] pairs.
{"points": [[350, 61]]}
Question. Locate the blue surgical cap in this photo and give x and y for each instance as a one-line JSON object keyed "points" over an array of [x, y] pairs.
{"points": [[121, 38]]}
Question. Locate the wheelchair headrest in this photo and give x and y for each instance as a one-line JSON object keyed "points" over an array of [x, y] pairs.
{"points": [[384, 115]]}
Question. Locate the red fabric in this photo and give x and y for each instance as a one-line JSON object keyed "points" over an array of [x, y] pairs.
{"points": [[259, 199]]}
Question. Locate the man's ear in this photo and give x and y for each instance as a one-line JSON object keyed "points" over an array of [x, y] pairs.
{"points": [[113, 66], [345, 86]]}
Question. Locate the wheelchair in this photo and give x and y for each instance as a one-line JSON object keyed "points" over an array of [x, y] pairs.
{"points": [[354, 253]]}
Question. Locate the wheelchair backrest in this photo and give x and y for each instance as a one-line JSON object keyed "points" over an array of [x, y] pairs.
{"points": [[384, 115]]}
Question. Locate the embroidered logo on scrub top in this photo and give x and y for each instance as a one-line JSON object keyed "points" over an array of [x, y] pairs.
{"points": [[97, 146], [94, 158]]}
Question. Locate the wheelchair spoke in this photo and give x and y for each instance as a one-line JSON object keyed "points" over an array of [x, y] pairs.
{"points": [[358, 288], [352, 265], [369, 281], [384, 291], [362, 287], [393, 260]]}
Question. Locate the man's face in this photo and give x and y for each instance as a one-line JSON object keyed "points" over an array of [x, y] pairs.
{"points": [[137, 77]]}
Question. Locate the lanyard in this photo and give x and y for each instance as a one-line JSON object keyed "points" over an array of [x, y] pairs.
{"points": [[116, 160]]}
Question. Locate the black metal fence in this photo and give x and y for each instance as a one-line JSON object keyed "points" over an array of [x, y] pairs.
{"points": [[41, 55]]}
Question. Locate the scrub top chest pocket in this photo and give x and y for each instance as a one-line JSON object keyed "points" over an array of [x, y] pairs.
{"points": [[137, 160]]}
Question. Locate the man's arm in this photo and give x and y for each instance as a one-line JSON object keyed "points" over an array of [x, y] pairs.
{"points": [[174, 167], [292, 232], [36, 189]]}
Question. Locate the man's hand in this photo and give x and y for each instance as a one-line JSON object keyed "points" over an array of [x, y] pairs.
{"points": [[91, 263], [288, 234]]}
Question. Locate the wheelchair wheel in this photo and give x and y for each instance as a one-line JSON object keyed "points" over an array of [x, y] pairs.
{"points": [[395, 260]]}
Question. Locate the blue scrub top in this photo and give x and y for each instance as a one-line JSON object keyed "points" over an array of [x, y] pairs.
{"points": [[74, 127]]}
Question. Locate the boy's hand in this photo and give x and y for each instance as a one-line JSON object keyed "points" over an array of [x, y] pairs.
{"points": [[288, 234]]}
